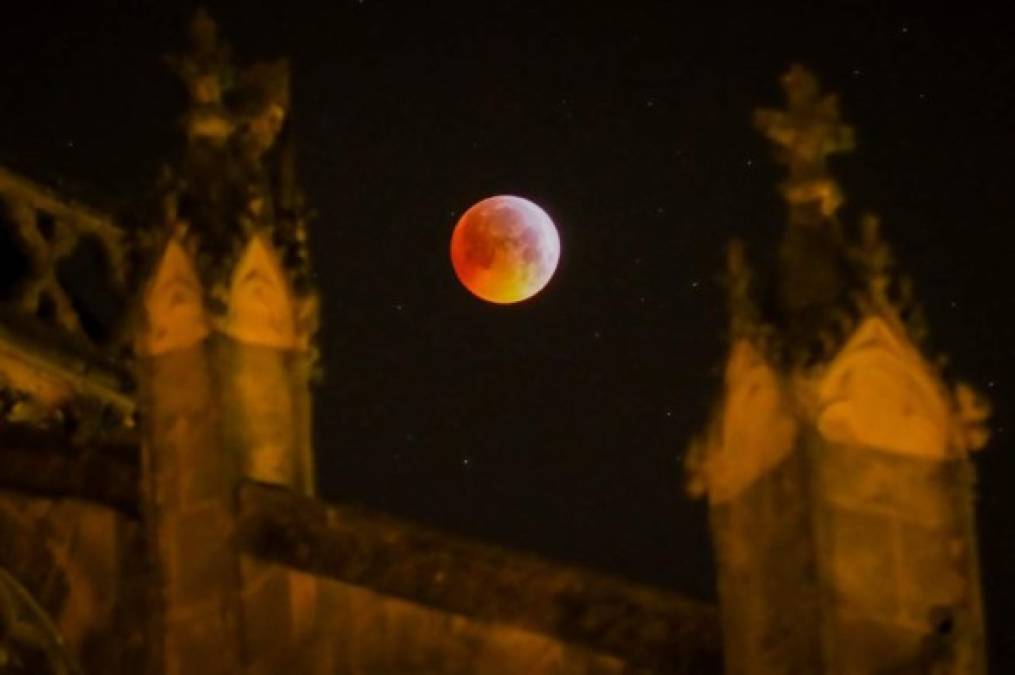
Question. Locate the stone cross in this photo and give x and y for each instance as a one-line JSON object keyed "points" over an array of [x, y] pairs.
{"points": [[805, 134]]}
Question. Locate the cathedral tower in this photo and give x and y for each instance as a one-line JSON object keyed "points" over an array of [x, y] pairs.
{"points": [[224, 361], [837, 463]]}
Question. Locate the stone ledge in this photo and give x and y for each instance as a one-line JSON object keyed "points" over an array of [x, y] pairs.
{"points": [[45, 463], [646, 628]]}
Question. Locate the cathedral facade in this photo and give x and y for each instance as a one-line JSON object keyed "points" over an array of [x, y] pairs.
{"points": [[157, 507]]}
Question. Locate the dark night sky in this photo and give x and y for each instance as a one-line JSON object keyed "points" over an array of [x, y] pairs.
{"points": [[558, 425]]}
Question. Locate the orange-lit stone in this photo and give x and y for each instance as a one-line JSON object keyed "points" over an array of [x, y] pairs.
{"points": [[174, 304], [879, 393], [755, 432], [261, 308], [505, 249]]}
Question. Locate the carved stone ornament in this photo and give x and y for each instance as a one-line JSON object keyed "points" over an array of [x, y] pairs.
{"points": [[174, 305], [261, 307], [805, 135], [880, 392]]}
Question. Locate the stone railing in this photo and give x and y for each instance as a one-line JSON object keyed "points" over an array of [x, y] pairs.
{"points": [[58, 258], [49, 230]]}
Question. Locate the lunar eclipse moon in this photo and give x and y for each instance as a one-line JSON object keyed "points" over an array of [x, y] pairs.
{"points": [[505, 249]]}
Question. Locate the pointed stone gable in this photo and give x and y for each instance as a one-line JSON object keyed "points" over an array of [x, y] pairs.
{"points": [[755, 432], [880, 392], [174, 305], [261, 308]]}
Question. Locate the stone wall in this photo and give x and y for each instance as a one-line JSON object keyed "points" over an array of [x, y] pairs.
{"points": [[380, 595], [850, 560], [342, 629], [84, 565], [897, 551], [768, 582]]}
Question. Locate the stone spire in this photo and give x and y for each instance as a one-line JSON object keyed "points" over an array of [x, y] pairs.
{"points": [[225, 356], [836, 460], [745, 318], [813, 275], [236, 176]]}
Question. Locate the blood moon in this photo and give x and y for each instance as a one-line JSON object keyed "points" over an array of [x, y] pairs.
{"points": [[505, 249]]}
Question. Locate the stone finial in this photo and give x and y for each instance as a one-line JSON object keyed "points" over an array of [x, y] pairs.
{"points": [[207, 73], [745, 317], [251, 104], [262, 106], [813, 287], [237, 179], [873, 258], [738, 286], [881, 291], [805, 134], [972, 410]]}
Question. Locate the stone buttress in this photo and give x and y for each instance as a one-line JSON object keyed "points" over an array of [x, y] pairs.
{"points": [[224, 360], [837, 463]]}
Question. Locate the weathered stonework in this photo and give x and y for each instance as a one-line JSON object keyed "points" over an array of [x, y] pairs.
{"points": [[361, 631], [157, 512], [647, 630], [836, 464], [135, 485], [80, 565], [48, 230]]}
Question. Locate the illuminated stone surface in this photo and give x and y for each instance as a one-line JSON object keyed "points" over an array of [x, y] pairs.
{"points": [[261, 310], [174, 304], [836, 464], [879, 392], [756, 431]]}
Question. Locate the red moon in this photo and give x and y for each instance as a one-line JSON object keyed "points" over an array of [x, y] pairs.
{"points": [[505, 249]]}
